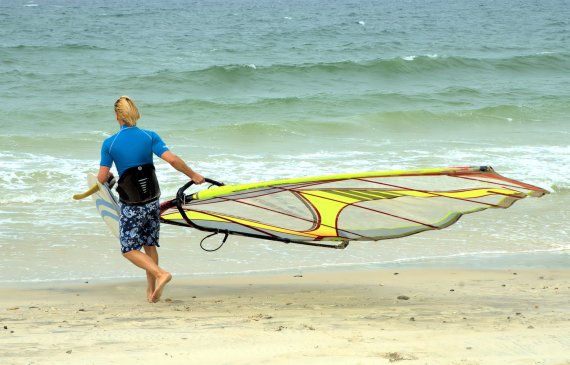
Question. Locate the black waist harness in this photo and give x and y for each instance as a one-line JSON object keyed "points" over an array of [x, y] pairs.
{"points": [[138, 185]]}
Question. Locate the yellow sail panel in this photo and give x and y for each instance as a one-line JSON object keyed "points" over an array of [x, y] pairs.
{"points": [[193, 215], [329, 209], [478, 193], [250, 223]]}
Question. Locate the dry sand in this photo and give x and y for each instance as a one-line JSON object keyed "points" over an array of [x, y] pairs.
{"points": [[376, 317]]}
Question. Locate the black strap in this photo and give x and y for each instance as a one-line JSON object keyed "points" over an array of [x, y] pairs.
{"points": [[217, 248]]}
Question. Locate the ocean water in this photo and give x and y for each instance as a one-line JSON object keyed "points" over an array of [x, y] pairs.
{"points": [[251, 90]]}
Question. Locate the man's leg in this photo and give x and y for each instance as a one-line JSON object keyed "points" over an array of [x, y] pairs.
{"points": [[146, 262], [151, 280]]}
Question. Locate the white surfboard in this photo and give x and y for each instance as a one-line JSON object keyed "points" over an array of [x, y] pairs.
{"points": [[106, 203]]}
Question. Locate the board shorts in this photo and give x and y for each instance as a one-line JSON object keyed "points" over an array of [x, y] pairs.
{"points": [[139, 226]]}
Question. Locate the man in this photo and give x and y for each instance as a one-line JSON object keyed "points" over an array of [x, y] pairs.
{"points": [[132, 149]]}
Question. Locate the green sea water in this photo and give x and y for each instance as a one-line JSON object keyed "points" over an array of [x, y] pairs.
{"points": [[251, 90]]}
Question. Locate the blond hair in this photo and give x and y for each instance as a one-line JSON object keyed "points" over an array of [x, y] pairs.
{"points": [[127, 111]]}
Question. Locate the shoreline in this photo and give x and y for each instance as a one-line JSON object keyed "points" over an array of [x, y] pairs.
{"points": [[420, 316], [469, 262]]}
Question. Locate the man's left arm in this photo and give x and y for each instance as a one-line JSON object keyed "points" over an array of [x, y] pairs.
{"points": [[181, 166]]}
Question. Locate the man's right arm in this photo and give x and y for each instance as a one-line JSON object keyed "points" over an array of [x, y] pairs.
{"points": [[104, 173]]}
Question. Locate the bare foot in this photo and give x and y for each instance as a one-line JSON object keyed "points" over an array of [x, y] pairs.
{"points": [[161, 282]]}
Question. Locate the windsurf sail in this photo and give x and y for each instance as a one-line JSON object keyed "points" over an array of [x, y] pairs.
{"points": [[350, 207]]}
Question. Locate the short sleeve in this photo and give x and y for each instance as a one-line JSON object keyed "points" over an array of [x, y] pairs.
{"points": [[106, 159], [158, 145]]}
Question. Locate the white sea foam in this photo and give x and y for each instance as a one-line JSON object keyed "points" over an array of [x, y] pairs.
{"points": [[40, 178]]}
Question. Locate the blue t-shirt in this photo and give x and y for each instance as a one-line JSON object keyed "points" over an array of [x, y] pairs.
{"points": [[131, 147]]}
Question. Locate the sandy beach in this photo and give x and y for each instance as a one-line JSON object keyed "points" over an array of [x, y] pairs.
{"points": [[373, 317]]}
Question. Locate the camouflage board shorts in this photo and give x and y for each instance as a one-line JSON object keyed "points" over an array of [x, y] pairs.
{"points": [[139, 226]]}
